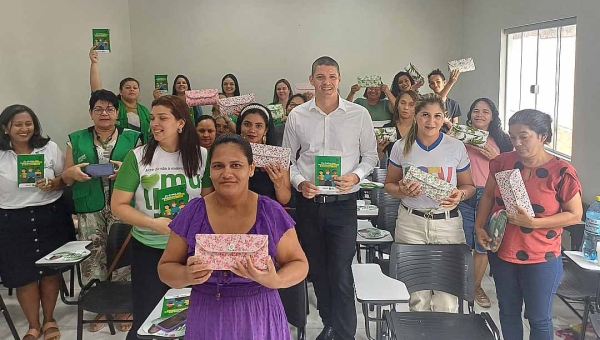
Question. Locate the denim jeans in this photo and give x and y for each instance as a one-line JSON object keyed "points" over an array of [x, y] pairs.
{"points": [[535, 284], [468, 210]]}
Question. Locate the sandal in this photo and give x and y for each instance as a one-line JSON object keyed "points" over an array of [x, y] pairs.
{"points": [[124, 326], [96, 326], [32, 332], [51, 331]]}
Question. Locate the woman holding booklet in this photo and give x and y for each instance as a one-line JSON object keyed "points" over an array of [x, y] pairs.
{"points": [[34, 219], [483, 115], [238, 301], [164, 172], [102, 143], [256, 126], [131, 114], [527, 265], [403, 118], [440, 179]]}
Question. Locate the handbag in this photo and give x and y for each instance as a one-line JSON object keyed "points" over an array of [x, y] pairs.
{"points": [[263, 155], [369, 81], [432, 186], [469, 135], [222, 251], [201, 97], [277, 113], [513, 191], [230, 105]]}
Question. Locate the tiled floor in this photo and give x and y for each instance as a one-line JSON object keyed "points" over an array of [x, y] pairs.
{"points": [[66, 318]]}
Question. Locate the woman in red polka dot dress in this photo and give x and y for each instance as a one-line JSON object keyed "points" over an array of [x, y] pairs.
{"points": [[528, 266]]}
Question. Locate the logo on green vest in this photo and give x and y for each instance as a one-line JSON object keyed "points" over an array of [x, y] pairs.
{"points": [[81, 159]]}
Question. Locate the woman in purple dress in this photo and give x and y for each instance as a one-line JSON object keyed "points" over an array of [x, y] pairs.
{"points": [[242, 303]]}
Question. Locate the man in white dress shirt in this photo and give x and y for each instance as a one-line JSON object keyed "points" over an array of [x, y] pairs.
{"points": [[328, 125]]}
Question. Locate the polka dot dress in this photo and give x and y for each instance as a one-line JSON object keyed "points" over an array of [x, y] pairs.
{"points": [[548, 186]]}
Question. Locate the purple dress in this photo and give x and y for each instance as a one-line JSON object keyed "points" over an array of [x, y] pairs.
{"points": [[228, 306]]}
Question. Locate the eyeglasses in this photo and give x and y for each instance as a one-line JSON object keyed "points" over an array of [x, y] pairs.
{"points": [[109, 110]]}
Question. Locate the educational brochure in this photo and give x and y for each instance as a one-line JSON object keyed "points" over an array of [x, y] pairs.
{"points": [[173, 304], [160, 83], [30, 169], [172, 200], [101, 40], [327, 169], [67, 256]]}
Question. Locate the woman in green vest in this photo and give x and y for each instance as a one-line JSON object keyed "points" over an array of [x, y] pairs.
{"points": [[102, 143], [130, 113]]}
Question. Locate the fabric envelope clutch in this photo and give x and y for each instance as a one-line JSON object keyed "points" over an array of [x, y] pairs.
{"points": [[496, 228], [513, 192], [264, 155], [432, 186], [386, 134], [414, 73], [469, 135], [221, 251], [369, 81], [232, 104], [277, 112], [201, 97], [464, 65]]}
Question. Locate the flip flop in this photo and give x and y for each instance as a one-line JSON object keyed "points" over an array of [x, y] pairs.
{"points": [[96, 326], [124, 326], [32, 332], [50, 334]]}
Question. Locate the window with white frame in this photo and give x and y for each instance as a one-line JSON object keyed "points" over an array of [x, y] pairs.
{"points": [[540, 74]]}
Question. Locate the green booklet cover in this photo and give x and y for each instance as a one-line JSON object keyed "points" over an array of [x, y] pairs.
{"points": [[172, 200], [160, 83], [101, 39], [174, 304], [496, 228], [30, 168], [327, 169]]}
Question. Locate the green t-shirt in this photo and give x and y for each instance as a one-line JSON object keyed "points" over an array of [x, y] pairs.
{"points": [[378, 111], [165, 171]]}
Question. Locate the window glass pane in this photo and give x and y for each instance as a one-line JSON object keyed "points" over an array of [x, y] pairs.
{"points": [[513, 75], [566, 87], [528, 69], [546, 78]]}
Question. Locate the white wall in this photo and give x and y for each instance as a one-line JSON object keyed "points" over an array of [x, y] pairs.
{"points": [[483, 23], [262, 41], [44, 61]]}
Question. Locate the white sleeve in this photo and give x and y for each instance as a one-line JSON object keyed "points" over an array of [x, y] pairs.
{"points": [[368, 148], [57, 157], [395, 158], [290, 140], [463, 159]]}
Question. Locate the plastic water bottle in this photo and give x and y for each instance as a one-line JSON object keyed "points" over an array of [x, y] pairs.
{"points": [[591, 235]]}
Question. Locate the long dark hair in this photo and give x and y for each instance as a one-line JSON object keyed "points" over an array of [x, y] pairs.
{"points": [[495, 128], [227, 138], [235, 81], [189, 150], [265, 114], [123, 82], [287, 83], [395, 88], [36, 140], [414, 95]]}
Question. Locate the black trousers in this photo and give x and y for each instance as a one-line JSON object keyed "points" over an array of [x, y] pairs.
{"points": [[148, 289], [327, 232]]}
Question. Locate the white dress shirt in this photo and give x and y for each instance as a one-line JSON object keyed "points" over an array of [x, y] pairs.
{"points": [[347, 132]]}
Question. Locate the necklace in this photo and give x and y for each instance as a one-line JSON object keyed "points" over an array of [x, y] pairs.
{"points": [[104, 143]]}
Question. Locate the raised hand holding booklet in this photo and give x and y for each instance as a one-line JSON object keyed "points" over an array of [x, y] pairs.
{"points": [[161, 83], [101, 40], [172, 200], [30, 169], [327, 170]]}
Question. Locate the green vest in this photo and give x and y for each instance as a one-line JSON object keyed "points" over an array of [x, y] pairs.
{"points": [[89, 196]]}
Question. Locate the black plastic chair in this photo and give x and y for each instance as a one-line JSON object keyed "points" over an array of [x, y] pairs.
{"points": [[295, 303], [9, 321], [106, 297], [441, 267]]}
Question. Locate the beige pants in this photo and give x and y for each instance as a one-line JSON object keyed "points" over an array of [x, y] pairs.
{"points": [[413, 229]]}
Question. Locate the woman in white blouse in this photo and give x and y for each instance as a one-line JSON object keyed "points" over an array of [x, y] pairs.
{"points": [[34, 220]]}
